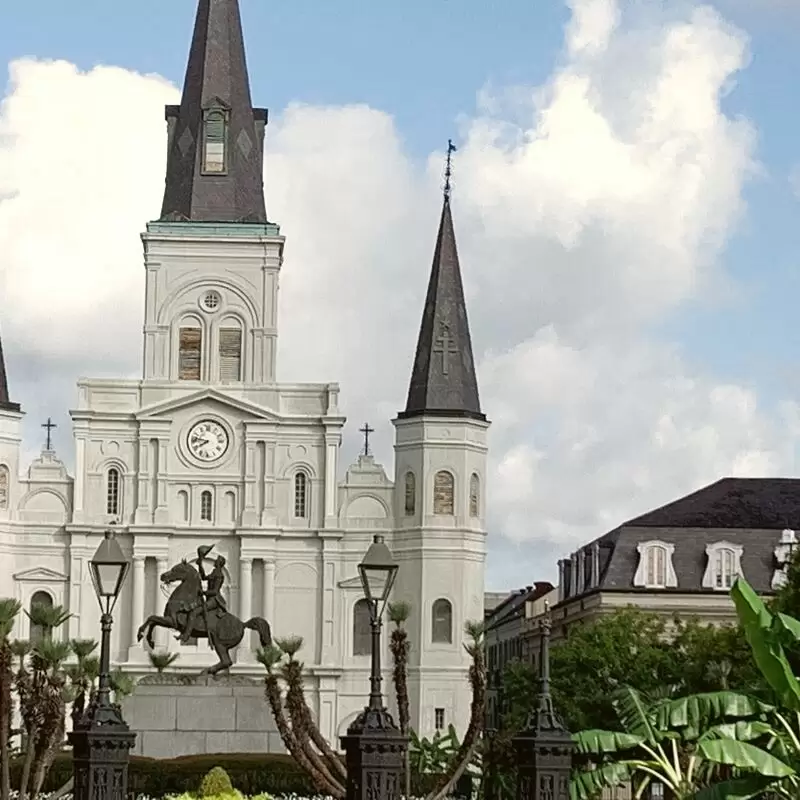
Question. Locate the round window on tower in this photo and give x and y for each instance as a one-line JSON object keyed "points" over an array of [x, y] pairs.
{"points": [[211, 301]]}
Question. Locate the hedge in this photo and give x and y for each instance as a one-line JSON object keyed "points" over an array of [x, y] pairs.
{"points": [[250, 773]]}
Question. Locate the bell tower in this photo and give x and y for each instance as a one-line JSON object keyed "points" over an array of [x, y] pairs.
{"points": [[440, 475], [10, 439], [213, 258]]}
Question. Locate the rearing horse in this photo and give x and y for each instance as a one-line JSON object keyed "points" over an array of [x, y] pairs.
{"points": [[223, 630]]}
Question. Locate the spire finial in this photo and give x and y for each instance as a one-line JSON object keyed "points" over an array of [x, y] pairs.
{"points": [[448, 169]]}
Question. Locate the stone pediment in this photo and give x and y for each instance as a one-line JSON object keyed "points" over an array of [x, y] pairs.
{"points": [[40, 575], [351, 583], [204, 395]]}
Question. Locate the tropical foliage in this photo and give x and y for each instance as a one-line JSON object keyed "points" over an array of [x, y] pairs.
{"points": [[714, 745]]}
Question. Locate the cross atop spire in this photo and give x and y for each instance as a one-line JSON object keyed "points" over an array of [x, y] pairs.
{"points": [[216, 137], [448, 169], [5, 401], [443, 381]]}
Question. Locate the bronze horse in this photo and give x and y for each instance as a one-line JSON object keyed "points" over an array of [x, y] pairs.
{"points": [[223, 630]]}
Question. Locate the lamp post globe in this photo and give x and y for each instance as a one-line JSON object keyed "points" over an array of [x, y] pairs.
{"points": [[101, 739], [375, 749]]}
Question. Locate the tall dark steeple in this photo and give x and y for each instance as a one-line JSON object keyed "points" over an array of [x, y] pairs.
{"points": [[5, 400], [443, 381], [216, 138]]}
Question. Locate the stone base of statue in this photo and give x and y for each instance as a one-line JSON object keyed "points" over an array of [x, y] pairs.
{"points": [[176, 715]]}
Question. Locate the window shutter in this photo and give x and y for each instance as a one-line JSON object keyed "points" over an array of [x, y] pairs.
{"points": [[191, 342], [230, 354]]}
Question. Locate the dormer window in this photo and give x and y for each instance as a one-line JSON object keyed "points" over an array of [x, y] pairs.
{"points": [[215, 141], [723, 565], [783, 555], [655, 569]]}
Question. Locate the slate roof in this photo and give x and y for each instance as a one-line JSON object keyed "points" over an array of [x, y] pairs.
{"points": [[751, 512], [216, 76], [443, 381], [5, 400], [513, 607]]}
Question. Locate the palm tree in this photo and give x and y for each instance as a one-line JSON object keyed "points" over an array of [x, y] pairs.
{"points": [[399, 645], [162, 660], [46, 618], [270, 657], [469, 744], [307, 733], [9, 610]]}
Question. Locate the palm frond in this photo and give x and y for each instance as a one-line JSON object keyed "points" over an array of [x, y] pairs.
{"points": [[290, 645], [399, 612]]}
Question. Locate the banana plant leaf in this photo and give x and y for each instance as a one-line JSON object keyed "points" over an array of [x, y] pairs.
{"points": [[736, 789], [596, 742], [742, 730], [695, 712], [744, 755], [586, 785], [633, 714], [767, 651]]}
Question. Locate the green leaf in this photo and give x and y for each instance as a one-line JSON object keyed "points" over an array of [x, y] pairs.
{"points": [[744, 755], [697, 711], [767, 652], [596, 741], [737, 789], [743, 730], [587, 785], [633, 714]]}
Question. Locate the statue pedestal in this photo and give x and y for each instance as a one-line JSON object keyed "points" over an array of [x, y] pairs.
{"points": [[177, 715]]}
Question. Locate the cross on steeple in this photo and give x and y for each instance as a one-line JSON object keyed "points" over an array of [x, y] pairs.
{"points": [[366, 430], [49, 426], [448, 170], [446, 346]]}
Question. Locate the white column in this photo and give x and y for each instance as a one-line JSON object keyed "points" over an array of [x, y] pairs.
{"points": [[162, 642], [269, 591], [137, 609], [245, 601], [80, 475], [331, 453]]}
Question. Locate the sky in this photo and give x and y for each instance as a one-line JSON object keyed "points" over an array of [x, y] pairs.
{"points": [[626, 190]]}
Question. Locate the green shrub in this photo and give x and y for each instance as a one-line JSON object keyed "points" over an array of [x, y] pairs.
{"points": [[251, 773], [216, 782]]}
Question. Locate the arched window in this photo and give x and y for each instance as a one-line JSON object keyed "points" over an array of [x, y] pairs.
{"points": [[183, 505], [215, 135], [230, 506], [724, 565], [474, 496], [230, 353], [301, 495], [5, 480], [39, 633], [361, 628], [442, 622], [444, 485], [411, 494], [656, 569], [725, 568], [190, 348], [206, 507], [113, 484]]}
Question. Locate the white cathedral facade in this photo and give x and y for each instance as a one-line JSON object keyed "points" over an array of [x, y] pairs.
{"points": [[210, 448]]}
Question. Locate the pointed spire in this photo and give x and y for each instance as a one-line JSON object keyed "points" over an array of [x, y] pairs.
{"points": [[443, 381], [5, 401], [216, 137]]}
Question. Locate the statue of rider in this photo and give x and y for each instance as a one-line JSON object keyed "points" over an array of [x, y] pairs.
{"points": [[211, 599]]}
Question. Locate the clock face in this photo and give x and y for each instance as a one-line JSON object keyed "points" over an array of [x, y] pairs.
{"points": [[208, 440]]}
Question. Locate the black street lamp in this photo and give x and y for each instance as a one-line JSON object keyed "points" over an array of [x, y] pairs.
{"points": [[544, 749], [101, 739], [374, 747]]}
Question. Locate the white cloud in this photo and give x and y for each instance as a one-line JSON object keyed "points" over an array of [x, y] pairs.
{"points": [[586, 210]]}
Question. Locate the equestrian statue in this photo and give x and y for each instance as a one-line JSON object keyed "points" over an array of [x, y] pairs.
{"points": [[197, 610]]}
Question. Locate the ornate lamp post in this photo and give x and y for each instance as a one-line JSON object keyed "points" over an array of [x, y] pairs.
{"points": [[544, 749], [374, 747], [101, 740]]}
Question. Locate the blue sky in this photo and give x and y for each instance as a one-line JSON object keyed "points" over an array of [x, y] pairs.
{"points": [[424, 62]]}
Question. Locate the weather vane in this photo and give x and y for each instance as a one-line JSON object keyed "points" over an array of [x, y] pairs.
{"points": [[448, 170]]}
